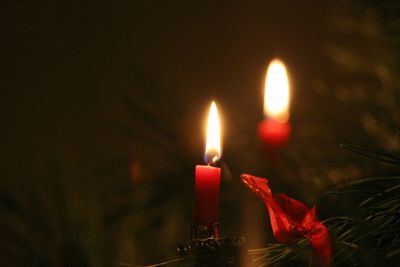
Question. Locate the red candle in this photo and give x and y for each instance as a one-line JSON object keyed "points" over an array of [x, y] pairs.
{"points": [[274, 131], [208, 181], [207, 195], [274, 134]]}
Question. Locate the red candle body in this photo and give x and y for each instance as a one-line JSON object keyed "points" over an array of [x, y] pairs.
{"points": [[273, 133], [207, 195]]}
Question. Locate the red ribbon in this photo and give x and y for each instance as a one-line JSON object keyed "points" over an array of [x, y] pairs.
{"points": [[292, 219]]}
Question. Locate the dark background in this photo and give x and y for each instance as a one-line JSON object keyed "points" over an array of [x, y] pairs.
{"points": [[103, 108]]}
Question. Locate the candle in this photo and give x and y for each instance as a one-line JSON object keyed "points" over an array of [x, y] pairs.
{"points": [[208, 181], [274, 130]]}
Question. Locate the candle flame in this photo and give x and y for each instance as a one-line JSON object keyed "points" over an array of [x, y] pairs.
{"points": [[213, 143], [276, 96]]}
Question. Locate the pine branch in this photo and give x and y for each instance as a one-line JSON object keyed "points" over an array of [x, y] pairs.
{"points": [[375, 223], [274, 254], [377, 155]]}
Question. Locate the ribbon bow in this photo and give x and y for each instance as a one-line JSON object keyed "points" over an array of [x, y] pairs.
{"points": [[291, 219]]}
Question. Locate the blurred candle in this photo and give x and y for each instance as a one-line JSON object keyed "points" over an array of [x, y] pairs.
{"points": [[208, 181], [274, 130]]}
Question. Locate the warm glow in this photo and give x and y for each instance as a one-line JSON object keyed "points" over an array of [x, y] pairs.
{"points": [[276, 96], [213, 143]]}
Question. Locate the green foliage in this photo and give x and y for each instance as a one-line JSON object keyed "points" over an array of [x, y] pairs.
{"points": [[278, 254], [374, 227]]}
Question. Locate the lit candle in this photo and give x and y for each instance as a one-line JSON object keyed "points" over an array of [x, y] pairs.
{"points": [[274, 130], [208, 181]]}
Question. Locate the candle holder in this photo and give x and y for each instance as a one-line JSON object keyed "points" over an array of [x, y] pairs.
{"points": [[204, 231], [211, 251]]}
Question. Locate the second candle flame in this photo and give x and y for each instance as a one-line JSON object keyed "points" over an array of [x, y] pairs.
{"points": [[276, 98], [213, 143]]}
